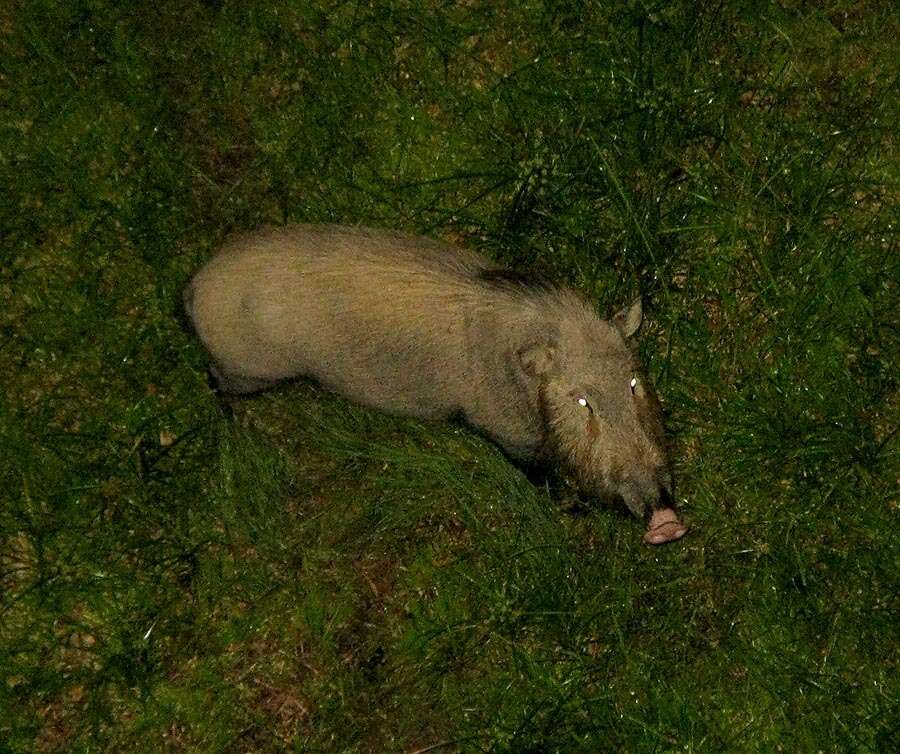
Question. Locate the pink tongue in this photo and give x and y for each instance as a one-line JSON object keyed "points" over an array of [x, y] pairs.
{"points": [[664, 527]]}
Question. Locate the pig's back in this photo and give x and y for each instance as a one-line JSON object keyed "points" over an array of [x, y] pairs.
{"points": [[376, 316]]}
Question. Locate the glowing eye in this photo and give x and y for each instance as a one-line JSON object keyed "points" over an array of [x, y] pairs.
{"points": [[633, 384], [583, 402]]}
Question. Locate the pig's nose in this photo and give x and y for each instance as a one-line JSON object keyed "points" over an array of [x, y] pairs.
{"points": [[664, 526]]}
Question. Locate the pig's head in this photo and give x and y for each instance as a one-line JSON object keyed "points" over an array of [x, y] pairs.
{"points": [[601, 412]]}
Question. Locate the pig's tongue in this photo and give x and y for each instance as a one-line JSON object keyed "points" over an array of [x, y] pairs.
{"points": [[664, 527]]}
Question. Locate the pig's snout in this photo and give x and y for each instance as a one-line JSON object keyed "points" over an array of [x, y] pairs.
{"points": [[665, 526], [656, 504]]}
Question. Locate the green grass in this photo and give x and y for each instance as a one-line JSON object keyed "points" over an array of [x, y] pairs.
{"points": [[294, 573]]}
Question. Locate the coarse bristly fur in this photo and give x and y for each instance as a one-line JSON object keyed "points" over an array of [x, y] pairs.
{"points": [[417, 327]]}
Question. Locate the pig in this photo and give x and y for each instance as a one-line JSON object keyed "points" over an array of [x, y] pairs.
{"points": [[417, 327]]}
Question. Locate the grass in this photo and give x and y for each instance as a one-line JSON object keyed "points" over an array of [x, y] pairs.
{"points": [[293, 573]]}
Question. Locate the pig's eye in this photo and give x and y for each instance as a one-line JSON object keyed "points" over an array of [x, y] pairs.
{"points": [[582, 401], [633, 385]]}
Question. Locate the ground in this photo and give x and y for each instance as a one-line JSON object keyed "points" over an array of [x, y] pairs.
{"points": [[289, 572]]}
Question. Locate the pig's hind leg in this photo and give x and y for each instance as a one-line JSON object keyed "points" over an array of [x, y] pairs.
{"points": [[236, 384]]}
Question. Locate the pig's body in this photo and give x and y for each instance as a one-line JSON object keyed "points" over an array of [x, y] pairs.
{"points": [[404, 325], [416, 327]]}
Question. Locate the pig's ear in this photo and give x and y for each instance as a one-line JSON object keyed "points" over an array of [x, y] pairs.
{"points": [[629, 319], [538, 359]]}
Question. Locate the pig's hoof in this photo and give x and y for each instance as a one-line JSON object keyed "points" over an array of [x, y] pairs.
{"points": [[664, 527]]}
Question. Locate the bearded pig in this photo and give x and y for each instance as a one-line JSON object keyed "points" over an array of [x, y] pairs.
{"points": [[417, 327]]}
